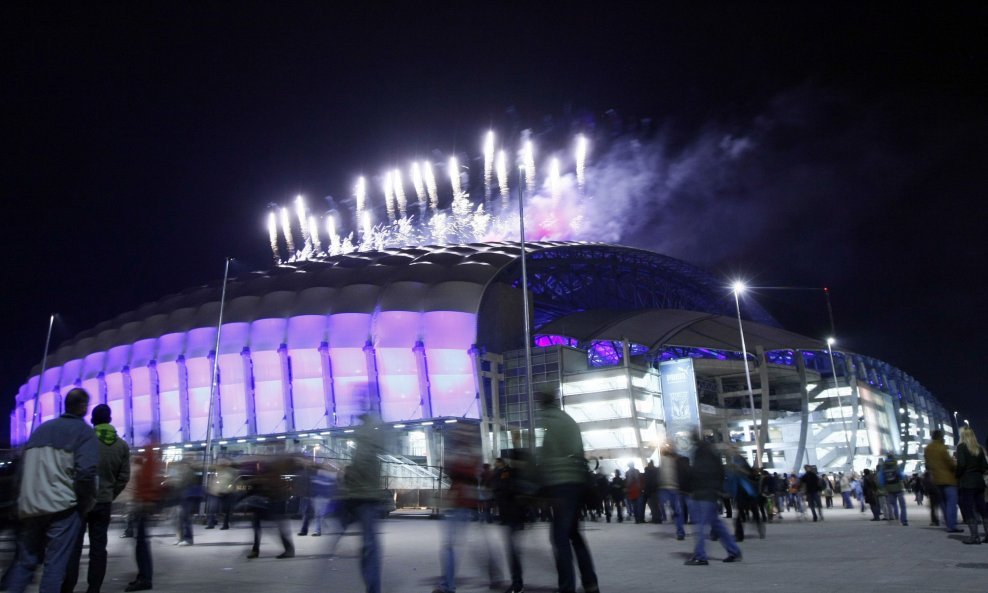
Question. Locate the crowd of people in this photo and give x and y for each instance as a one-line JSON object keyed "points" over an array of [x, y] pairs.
{"points": [[73, 476]]}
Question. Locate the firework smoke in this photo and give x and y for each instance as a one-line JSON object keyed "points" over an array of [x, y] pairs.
{"points": [[528, 161], [430, 184], [502, 178], [555, 185], [581, 162]]}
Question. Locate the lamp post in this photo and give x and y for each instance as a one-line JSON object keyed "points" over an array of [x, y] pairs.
{"points": [[957, 428], [524, 296], [214, 383], [840, 402], [36, 415], [738, 289]]}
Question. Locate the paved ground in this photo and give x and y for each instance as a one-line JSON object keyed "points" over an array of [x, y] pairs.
{"points": [[844, 553]]}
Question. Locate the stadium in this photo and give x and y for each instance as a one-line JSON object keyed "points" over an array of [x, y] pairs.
{"points": [[430, 336]]}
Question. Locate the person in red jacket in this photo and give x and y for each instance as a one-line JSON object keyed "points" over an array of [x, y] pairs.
{"points": [[147, 498]]}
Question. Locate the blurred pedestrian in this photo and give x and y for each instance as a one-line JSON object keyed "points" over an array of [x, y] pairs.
{"points": [[563, 469], [971, 469], [942, 467], [707, 482], [673, 474], [511, 514], [634, 493], [869, 486], [365, 495], [114, 474], [617, 497], [893, 480], [651, 483], [219, 493], [813, 485], [58, 487], [148, 495], [268, 501]]}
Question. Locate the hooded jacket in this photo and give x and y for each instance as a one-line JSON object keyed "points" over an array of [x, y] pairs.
{"points": [[114, 463]]}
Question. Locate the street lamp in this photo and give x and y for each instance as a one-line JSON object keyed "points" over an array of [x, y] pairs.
{"points": [[840, 402], [738, 289], [957, 428]]}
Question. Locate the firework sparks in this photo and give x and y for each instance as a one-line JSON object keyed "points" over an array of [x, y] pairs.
{"points": [[400, 193], [581, 162], [430, 184], [314, 234], [502, 178], [286, 229], [368, 229], [302, 221], [389, 196], [488, 166], [273, 236], [528, 161], [419, 186], [454, 176], [334, 239]]}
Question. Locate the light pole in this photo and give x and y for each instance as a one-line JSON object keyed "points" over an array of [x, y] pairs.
{"points": [[957, 429], [525, 304], [36, 415], [840, 402], [214, 383], [738, 289]]}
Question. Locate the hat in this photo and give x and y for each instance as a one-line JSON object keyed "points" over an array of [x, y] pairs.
{"points": [[101, 414]]}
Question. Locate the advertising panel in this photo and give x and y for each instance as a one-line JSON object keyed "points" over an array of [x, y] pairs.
{"points": [[679, 402]]}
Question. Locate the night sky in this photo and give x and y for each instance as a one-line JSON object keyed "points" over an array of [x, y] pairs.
{"points": [[825, 145]]}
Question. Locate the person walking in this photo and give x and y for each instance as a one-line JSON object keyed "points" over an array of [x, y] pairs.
{"points": [[148, 494], [364, 495], [652, 492], [114, 474], [892, 479], [870, 493], [617, 497], [813, 485], [932, 497], [971, 469], [509, 510], [942, 469], [673, 475], [706, 483], [219, 494], [58, 487], [271, 494], [636, 500], [563, 469]]}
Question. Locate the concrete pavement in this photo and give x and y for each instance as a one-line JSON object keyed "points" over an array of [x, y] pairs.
{"points": [[846, 552]]}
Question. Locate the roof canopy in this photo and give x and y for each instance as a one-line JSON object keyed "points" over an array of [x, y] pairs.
{"points": [[658, 328]]}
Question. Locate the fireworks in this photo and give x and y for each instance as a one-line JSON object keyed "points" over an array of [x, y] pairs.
{"points": [[556, 210], [430, 184]]}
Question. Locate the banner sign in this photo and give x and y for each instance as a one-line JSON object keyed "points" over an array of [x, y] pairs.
{"points": [[679, 402]]}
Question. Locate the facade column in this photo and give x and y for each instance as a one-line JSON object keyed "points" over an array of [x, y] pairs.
{"points": [[425, 386], [155, 397], [286, 388], [183, 397], [765, 390], [626, 351], [101, 381], [128, 402], [804, 410], [852, 381], [495, 360], [249, 393], [485, 442], [329, 387], [373, 387]]}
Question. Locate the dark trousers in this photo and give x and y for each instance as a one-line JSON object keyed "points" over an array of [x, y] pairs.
{"points": [[97, 522], [566, 500], [219, 505], [142, 549], [284, 530]]}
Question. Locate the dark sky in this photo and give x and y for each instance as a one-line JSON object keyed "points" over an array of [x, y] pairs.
{"points": [[826, 145]]}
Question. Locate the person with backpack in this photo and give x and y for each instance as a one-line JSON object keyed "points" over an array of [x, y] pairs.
{"points": [[892, 479]]}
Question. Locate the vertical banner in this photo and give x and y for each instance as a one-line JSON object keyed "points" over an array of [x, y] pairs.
{"points": [[679, 402]]}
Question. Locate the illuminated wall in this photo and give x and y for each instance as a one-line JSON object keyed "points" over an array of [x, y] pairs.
{"points": [[276, 375]]}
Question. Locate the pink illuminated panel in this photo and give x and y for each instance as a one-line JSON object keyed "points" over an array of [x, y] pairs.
{"points": [[399, 383], [140, 379], [269, 403], [170, 408], [48, 406], [92, 387], [233, 395], [448, 337], [200, 376], [308, 394], [349, 383], [115, 399]]}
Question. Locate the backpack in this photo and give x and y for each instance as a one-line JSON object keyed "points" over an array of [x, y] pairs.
{"points": [[891, 472]]}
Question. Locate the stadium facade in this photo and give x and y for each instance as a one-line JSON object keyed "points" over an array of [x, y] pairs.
{"points": [[428, 336]]}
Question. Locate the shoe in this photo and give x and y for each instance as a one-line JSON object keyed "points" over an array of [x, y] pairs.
{"points": [[290, 554], [733, 558], [696, 562], [955, 530], [316, 534], [973, 540], [138, 586], [210, 527], [184, 542], [303, 533], [224, 528], [905, 524], [680, 537], [253, 554]]}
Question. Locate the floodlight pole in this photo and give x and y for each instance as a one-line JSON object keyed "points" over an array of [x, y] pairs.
{"points": [[214, 383], [840, 403], [36, 414], [747, 376], [524, 297]]}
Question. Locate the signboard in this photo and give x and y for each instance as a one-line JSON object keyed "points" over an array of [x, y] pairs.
{"points": [[679, 402]]}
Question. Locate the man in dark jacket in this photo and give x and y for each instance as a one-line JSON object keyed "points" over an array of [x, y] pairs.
{"points": [[114, 473], [652, 491], [564, 475], [58, 487], [707, 482], [811, 481]]}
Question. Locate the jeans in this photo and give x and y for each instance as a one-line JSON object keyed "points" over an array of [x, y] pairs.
{"points": [[142, 551], [654, 508], [813, 500], [706, 520], [896, 502], [948, 497], [675, 500], [98, 523], [186, 509], [368, 513], [50, 539], [284, 530], [219, 505], [456, 521], [847, 499], [566, 501]]}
